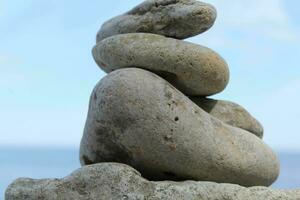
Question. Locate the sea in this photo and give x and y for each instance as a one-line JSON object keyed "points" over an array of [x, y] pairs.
{"points": [[57, 163]]}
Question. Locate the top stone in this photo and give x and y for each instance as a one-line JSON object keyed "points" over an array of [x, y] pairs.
{"points": [[178, 19]]}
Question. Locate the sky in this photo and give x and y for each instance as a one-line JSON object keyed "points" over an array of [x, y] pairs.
{"points": [[47, 71]]}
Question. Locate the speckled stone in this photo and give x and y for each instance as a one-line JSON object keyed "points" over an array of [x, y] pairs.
{"points": [[137, 118], [112, 181], [172, 18], [230, 113], [193, 69]]}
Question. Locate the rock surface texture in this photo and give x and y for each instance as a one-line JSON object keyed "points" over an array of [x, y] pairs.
{"points": [[111, 181], [230, 113], [150, 119], [193, 69], [172, 18], [136, 117]]}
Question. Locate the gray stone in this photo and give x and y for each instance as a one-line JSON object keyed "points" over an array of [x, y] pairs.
{"points": [[137, 118], [230, 113], [172, 18], [193, 69], [112, 181]]}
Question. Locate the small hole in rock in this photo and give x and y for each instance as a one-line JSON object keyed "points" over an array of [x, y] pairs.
{"points": [[176, 119], [95, 96]]}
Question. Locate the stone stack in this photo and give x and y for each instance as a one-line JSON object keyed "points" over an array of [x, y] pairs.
{"points": [[151, 110], [150, 117]]}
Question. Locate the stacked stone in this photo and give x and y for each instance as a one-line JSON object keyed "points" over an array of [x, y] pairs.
{"points": [[150, 117], [151, 110]]}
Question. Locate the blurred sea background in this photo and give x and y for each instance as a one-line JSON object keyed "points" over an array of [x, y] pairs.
{"points": [[57, 163]]}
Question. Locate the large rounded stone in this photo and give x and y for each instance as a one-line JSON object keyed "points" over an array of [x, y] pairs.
{"points": [[193, 69], [137, 118], [230, 113], [173, 18], [120, 182]]}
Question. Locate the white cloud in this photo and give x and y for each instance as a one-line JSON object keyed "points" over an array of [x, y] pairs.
{"points": [[252, 12], [255, 18], [251, 35]]}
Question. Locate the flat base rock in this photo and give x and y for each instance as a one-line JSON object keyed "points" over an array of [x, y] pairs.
{"points": [[118, 181]]}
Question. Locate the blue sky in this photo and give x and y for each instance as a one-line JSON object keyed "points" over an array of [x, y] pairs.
{"points": [[47, 72]]}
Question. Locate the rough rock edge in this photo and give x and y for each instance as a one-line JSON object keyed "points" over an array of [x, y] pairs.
{"points": [[141, 19], [230, 113], [118, 181]]}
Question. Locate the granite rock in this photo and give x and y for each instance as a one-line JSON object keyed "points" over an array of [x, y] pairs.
{"points": [[120, 182], [193, 69], [137, 118], [172, 18], [230, 113]]}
